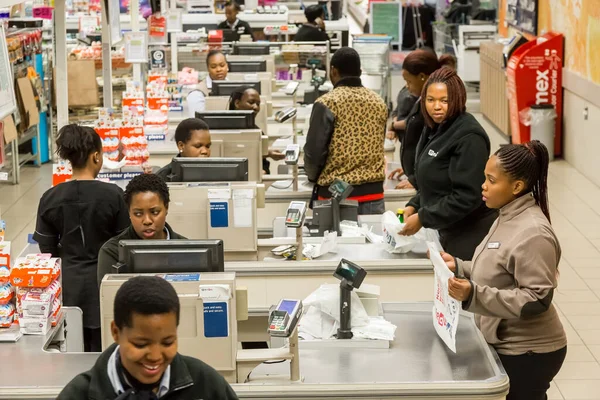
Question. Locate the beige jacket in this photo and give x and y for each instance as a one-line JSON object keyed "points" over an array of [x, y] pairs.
{"points": [[514, 274]]}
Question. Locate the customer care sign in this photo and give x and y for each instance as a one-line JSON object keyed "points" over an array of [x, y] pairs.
{"points": [[535, 77]]}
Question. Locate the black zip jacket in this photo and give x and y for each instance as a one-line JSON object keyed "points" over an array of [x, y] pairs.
{"points": [[408, 151], [405, 103], [240, 28], [310, 33], [449, 172], [191, 379], [109, 253]]}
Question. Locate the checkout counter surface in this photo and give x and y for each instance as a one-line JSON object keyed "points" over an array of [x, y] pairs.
{"points": [[417, 364]]}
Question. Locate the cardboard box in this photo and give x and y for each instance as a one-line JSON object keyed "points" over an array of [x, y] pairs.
{"points": [[35, 271], [35, 326], [82, 85], [30, 114]]}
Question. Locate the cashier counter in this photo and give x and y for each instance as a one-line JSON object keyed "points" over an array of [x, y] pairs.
{"points": [[417, 364]]}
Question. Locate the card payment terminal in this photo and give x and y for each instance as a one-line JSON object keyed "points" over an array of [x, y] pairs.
{"points": [[292, 152], [294, 218], [285, 317]]}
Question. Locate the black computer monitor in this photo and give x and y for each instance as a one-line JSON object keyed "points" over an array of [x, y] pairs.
{"points": [[170, 256], [229, 35], [247, 66], [228, 119], [209, 170], [252, 49], [225, 88], [323, 214]]}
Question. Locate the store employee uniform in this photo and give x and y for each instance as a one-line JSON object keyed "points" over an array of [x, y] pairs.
{"points": [[240, 27], [310, 33], [74, 220]]}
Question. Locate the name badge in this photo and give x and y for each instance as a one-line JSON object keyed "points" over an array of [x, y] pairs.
{"points": [[493, 245]]}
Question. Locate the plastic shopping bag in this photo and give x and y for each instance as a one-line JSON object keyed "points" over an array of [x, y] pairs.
{"points": [[446, 310], [397, 243]]}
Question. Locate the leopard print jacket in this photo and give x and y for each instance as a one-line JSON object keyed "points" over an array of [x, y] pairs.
{"points": [[356, 150]]}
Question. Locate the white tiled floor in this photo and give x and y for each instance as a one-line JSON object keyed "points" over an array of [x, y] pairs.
{"points": [[575, 218]]}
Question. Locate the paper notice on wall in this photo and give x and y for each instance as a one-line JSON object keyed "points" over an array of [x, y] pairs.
{"points": [[446, 310], [219, 194], [242, 213]]}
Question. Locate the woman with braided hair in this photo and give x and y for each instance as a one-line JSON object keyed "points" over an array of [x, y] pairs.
{"points": [[510, 283], [450, 158]]}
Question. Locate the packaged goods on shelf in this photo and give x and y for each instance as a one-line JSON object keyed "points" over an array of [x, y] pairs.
{"points": [[6, 293], [7, 314], [4, 262], [35, 270], [38, 303]]}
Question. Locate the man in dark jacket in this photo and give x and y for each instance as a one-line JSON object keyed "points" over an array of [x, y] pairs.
{"points": [[314, 29], [143, 363], [346, 135]]}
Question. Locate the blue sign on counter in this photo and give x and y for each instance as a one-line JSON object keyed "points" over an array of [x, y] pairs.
{"points": [[219, 214], [216, 322], [182, 277]]}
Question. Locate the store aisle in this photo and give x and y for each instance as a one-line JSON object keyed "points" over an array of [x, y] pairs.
{"points": [[576, 220]]}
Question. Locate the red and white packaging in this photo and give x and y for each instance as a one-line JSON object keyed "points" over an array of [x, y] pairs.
{"points": [[534, 74]]}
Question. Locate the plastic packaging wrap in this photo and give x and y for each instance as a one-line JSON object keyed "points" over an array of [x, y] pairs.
{"points": [[397, 243]]}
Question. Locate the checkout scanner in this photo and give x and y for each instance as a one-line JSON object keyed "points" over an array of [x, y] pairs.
{"points": [[327, 214], [226, 88], [351, 277], [211, 306], [240, 138], [192, 169], [149, 256]]}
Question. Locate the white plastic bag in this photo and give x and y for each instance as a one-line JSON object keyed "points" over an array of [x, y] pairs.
{"points": [[321, 317], [397, 243], [446, 310]]}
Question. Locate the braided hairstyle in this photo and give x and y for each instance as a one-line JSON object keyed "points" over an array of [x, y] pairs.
{"points": [[457, 94], [75, 143], [528, 162]]}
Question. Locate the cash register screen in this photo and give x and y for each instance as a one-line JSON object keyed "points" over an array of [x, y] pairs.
{"points": [[288, 306]]}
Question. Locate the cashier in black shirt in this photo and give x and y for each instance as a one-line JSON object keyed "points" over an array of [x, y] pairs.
{"points": [[193, 140], [147, 198], [314, 29], [247, 98], [74, 220], [449, 170], [232, 22]]}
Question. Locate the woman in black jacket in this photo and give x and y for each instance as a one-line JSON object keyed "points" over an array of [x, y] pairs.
{"points": [[416, 68], [450, 160]]}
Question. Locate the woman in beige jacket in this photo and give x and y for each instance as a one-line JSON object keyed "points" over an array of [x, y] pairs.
{"points": [[510, 282]]}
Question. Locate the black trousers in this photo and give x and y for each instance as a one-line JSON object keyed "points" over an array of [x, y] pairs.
{"points": [[92, 340], [462, 242], [530, 374]]}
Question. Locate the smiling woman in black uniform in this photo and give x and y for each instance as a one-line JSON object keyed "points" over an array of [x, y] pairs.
{"points": [[74, 220], [450, 160]]}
